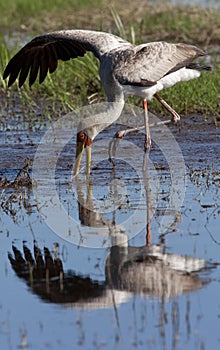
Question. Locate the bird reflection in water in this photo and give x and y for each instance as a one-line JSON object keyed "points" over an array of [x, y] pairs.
{"points": [[145, 271]]}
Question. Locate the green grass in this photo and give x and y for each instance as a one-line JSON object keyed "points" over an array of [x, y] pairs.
{"points": [[76, 82], [23, 12], [198, 96]]}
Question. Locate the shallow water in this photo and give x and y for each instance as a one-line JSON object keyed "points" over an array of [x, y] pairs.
{"points": [[94, 288], [205, 3]]}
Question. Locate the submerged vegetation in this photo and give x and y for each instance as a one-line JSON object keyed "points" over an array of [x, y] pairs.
{"points": [[76, 82]]}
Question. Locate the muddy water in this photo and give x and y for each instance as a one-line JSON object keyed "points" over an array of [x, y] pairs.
{"points": [[111, 281]]}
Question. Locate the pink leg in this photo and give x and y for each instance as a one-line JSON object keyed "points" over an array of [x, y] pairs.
{"points": [[147, 129], [175, 115]]}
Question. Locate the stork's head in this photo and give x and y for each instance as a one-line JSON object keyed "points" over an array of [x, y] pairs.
{"points": [[82, 141]]}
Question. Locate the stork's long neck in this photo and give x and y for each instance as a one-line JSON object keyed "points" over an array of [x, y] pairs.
{"points": [[106, 115]]}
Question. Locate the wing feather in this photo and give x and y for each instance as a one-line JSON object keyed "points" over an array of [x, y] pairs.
{"points": [[43, 52], [43, 66], [34, 70], [25, 67], [150, 62]]}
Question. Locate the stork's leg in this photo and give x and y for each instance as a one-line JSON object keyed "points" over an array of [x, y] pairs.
{"points": [[175, 115], [147, 129], [146, 178], [121, 133], [113, 146]]}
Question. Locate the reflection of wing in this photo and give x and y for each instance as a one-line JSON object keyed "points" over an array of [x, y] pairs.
{"points": [[37, 265], [47, 279], [146, 64], [129, 270], [43, 52]]}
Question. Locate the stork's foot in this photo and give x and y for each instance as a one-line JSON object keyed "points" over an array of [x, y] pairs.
{"points": [[175, 117], [112, 148], [120, 134]]}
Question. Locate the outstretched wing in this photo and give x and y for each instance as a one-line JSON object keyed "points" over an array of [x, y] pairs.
{"points": [[43, 52], [146, 64]]}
